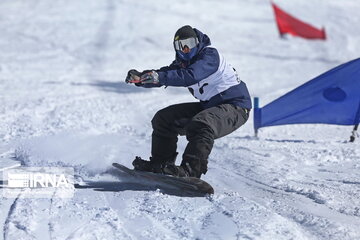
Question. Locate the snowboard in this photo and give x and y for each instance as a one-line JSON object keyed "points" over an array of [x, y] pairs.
{"points": [[185, 185]]}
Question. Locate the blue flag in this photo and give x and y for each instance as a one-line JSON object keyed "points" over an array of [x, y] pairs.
{"points": [[331, 98]]}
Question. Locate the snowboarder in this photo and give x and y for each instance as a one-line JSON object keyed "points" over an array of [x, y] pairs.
{"points": [[224, 105]]}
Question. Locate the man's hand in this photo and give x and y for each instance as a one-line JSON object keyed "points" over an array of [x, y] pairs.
{"points": [[133, 76], [150, 77], [141, 78]]}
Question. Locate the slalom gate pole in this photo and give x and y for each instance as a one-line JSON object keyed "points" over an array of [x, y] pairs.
{"points": [[357, 120], [354, 133], [257, 116]]}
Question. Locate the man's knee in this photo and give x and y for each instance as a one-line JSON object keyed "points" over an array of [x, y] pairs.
{"points": [[159, 119], [198, 129]]}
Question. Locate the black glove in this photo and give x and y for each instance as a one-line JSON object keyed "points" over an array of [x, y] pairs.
{"points": [[133, 76], [150, 77], [141, 78]]}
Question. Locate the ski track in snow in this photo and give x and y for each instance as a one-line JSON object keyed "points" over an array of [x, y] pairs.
{"points": [[63, 103]]}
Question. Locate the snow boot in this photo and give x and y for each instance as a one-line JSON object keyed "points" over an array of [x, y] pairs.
{"points": [[154, 166], [189, 167], [147, 166], [184, 170]]}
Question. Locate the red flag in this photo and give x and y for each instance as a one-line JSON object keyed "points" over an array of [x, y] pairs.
{"points": [[288, 24]]}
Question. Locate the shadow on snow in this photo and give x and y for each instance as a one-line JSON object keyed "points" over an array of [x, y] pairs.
{"points": [[116, 87]]}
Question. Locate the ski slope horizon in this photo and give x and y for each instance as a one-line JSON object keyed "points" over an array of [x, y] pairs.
{"points": [[64, 103]]}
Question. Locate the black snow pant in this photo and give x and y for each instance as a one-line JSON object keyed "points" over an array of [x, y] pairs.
{"points": [[200, 126]]}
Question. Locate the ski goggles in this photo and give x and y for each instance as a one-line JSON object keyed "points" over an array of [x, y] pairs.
{"points": [[180, 45]]}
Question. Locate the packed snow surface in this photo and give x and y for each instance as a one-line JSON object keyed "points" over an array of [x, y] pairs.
{"points": [[63, 102]]}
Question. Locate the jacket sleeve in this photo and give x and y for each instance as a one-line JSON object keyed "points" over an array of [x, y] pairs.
{"points": [[206, 63], [174, 65]]}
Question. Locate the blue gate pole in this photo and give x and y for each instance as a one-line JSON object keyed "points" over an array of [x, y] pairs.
{"points": [[356, 121], [257, 115]]}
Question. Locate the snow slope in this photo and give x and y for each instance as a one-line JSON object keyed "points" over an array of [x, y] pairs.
{"points": [[63, 102]]}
